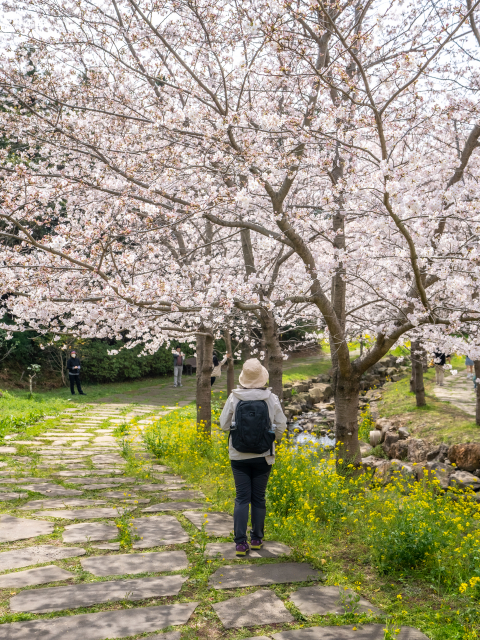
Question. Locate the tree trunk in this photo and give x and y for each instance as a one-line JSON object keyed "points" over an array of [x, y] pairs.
{"points": [[275, 360], [412, 376], [204, 387], [346, 420], [230, 369], [417, 367], [477, 376]]}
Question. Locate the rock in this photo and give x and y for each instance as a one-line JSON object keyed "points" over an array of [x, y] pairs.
{"points": [[439, 454], [397, 377], [464, 480], [390, 438], [371, 463], [12, 528], [417, 450], [399, 450], [394, 469], [106, 624], [300, 387], [74, 596], [247, 611], [226, 550], [322, 390], [375, 437], [335, 600], [26, 556], [216, 524], [33, 577], [365, 448], [233, 577], [465, 456], [403, 433], [131, 563], [287, 394]]}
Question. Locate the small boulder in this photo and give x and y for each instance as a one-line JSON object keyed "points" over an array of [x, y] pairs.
{"points": [[464, 480], [392, 469], [439, 454], [403, 433], [438, 470], [399, 450], [465, 456], [391, 437], [321, 392], [417, 450], [300, 387], [370, 463], [365, 448]]}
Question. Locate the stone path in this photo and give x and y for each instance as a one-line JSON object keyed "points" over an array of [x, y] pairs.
{"points": [[77, 538], [458, 391]]}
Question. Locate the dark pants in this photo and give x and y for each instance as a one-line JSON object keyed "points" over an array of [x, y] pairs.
{"points": [[73, 380], [251, 477], [212, 380]]}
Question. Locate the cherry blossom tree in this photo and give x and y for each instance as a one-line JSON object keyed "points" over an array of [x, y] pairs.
{"points": [[328, 131]]}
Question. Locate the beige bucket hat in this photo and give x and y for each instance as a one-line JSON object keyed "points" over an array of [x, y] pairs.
{"points": [[254, 375]]}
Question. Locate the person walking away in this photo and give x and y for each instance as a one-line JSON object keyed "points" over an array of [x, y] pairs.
{"points": [[254, 418], [178, 360], [469, 364], [217, 367], [73, 366], [440, 360]]}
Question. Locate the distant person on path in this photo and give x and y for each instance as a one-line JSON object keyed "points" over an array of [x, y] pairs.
{"points": [[254, 417], [217, 367], [73, 366], [440, 360], [469, 364], [178, 360]]}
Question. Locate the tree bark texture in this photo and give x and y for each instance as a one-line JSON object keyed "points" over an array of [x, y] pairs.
{"points": [[275, 355], [417, 353], [230, 369], [477, 375], [346, 420], [204, 388]]}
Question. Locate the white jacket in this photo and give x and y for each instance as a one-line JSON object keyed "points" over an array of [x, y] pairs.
{"points": [[277, 418], [217, 371]]}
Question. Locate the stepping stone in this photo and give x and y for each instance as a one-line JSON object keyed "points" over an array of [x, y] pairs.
{"points": [[60, 504], [108, 459], [4, 497], [158, 530], [260, 575], [84, 514], [216, 524], [27, 556], [85, 595], [136, 501], [85, 531], [160, 468], [12, 528], [40, 481], [74, 473], [173, 635], [185, 495], [126, 493], [99, 626], [226, 550], [32, 577], [151, 487], [362, 632], [335, 600], [135, 563], [8, 450], [174, 506], [248, 611], [112, 481], [110, 546], [96, 487], [51, 490]]}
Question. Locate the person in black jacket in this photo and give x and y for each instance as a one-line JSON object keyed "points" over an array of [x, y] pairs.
{"points": [[73, 366]]}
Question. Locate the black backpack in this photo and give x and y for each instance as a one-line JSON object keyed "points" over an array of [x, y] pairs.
{"points": [[251, 430]]}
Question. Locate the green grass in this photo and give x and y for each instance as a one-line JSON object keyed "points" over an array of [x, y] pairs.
{"points": [[437, 421], [18, 411]]}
